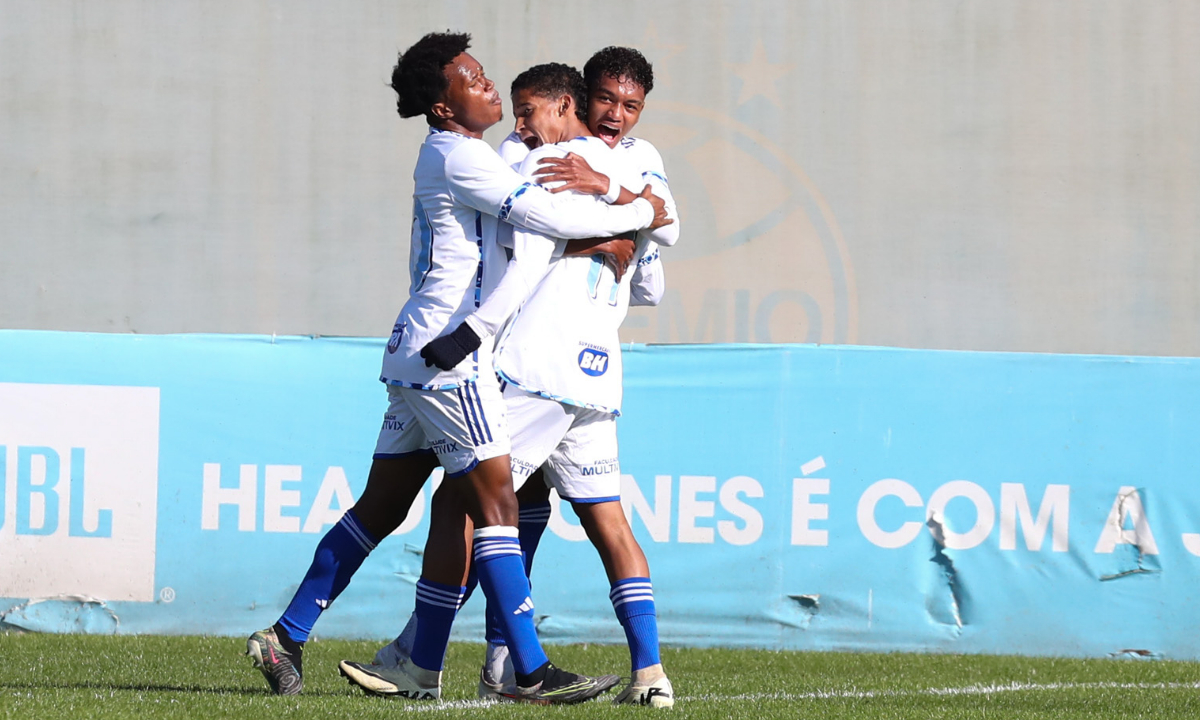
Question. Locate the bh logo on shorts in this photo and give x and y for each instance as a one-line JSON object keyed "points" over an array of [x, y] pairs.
{"points": [[78, 490], [593, 362]]}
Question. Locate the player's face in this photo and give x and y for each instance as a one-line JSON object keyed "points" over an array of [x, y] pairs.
{"points": [[614, 108], [540, 120], [472, 97]]}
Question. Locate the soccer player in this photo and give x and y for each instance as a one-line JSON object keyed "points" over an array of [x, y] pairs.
{"points": [[618, 80], [461, 190], [561, 359]]}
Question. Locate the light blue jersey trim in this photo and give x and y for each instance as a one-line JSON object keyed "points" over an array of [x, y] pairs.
{"points": [[419, 386], [556, 398], [660, 176], [507, 206], [422, 264]]}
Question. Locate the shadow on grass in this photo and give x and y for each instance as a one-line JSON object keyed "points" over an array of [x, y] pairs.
{"points": [[159, 687]]}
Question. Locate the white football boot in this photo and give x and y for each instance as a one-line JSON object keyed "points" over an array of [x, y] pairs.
{"points": [[651, 689], [405, 680], [497, 678]]}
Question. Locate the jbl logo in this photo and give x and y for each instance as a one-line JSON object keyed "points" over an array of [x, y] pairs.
{"points": [[78, 490]]}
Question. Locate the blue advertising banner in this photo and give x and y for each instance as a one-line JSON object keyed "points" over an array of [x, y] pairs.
{"points": [[790, 496]]}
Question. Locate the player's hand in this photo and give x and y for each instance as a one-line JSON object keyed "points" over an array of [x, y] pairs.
{"points": [[448, 351], [573, 172], [660, 208], [618, 253]]}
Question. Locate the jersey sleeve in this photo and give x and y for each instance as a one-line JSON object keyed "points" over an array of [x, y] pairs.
{"points": [[512, 151], [530, 259], [649, 281], [655, 175], [569, 215], [478, 178]]}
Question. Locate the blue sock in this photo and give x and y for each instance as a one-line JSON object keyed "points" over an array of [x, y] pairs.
{"points": [[502, 577], [437, 604], [472, 583], [338, 556], [533, 520], [633, 601]]}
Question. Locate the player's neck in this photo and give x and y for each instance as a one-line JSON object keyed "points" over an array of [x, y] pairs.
{"points": [[452, 126], [573, 129]]}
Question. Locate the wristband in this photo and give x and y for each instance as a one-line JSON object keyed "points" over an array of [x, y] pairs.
{"points": [[614, 191]]}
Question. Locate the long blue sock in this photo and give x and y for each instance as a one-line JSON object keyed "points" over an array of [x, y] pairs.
{"points": [[437, 604], [502, 577], [338, 556], [532, 523], [633, 601]]}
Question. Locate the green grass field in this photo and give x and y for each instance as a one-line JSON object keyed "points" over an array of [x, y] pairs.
{"points": [[67, 676]]}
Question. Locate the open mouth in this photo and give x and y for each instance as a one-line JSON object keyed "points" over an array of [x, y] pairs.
{"points": [[533, 142], [608, 133]]}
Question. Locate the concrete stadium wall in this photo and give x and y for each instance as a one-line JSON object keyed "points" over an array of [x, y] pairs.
{"points": [[972, 175]]}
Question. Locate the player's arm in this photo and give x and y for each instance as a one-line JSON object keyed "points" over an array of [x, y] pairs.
{"points": [[530, 259], [649, 281], [617, 251], [576, 174], [478, 178]]}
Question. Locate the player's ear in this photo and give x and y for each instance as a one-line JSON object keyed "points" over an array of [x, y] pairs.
{"points": [[441, 111], [564, 105]]}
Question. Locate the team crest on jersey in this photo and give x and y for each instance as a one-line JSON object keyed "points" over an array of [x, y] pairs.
{"points": [[593, 361], [397, 333]]}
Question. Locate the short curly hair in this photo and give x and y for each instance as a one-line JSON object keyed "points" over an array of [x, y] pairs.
{"points": [[553, 80], [619, 62], [419, 77]]}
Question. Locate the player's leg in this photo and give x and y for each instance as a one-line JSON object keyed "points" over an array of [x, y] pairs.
{"points": [[398, 472], [411, 665], [537, 426], [472, 442], [497, 676], [632, 596], [585, 471]]}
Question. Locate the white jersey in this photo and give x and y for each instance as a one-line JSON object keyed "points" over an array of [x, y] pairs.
{"points": [[649, 281], [563, 342], [512, 151], [461, 189]]}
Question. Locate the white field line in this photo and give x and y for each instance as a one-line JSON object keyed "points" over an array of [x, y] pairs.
{"points": [[937, 692], [858, 694]]}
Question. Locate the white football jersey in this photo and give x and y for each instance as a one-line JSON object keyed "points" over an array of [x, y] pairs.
{"points": [[649, 280], [461, 189], [563, 342], [512, 151]]}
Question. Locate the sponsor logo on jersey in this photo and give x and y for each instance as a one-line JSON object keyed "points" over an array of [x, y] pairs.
{"points": [[593, 362], [391, 423], [397, 333]]}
